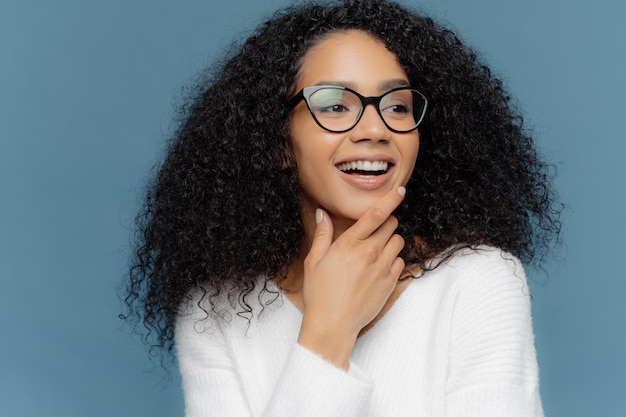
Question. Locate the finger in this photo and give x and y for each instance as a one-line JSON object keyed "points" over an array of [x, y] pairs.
{"points": [[382, 257], [396, 268], [381, 235], [393, 247], [376, 215], [377, 241], [391, 253], [322, 236]]}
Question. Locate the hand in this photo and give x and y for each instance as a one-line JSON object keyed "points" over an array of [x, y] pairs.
{"points": [[347, 282]]}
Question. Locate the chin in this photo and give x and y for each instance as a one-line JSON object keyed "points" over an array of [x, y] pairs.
{"points": [[353, 211]]}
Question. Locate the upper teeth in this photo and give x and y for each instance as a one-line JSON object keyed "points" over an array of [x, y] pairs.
{"points": [[364, 166]]}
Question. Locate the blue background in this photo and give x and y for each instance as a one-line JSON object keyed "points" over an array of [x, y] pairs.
{"points": [[87, 91]]}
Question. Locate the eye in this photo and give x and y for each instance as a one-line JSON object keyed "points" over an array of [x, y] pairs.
{"points": [[333, 102], [397, 104], [332, 108], [397, 108]]}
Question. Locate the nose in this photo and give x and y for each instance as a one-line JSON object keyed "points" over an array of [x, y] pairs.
{"points": [[370, 126]]}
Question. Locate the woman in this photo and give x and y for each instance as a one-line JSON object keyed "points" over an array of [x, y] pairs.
{"points": [[341, 151]]}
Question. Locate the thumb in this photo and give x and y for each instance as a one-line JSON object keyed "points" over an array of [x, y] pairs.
{"points": [[322, 236]]}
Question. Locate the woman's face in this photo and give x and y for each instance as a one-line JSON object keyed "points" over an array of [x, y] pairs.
{"points": [[361, 62]]}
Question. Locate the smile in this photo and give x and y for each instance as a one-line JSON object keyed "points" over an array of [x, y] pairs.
{"points": [[364, 167]]}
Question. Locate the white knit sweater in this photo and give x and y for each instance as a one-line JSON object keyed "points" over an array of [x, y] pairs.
{"points": [[458, 342]]}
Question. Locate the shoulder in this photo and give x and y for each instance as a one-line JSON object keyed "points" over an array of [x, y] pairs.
{"points": [[236, 311], [205, 309], [478, 265], [208, 322], [481, 278], [479, 258], [487, 289], [246, 299]]}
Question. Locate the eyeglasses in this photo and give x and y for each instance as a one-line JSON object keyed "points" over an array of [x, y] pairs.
{"points": [[339, 109]]}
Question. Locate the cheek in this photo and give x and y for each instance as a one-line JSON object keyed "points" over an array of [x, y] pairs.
{"points": [[411, 148], [311, 146], [411, 153], [416, 153]]}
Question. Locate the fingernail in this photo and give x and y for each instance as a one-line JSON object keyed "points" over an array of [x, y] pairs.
{"points": [[319, 216], [402, 191]]}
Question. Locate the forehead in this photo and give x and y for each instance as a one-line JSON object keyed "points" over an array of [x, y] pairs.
{"points": [[352, 58]]}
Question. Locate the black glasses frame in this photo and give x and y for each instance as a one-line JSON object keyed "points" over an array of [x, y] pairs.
{"points": [[306, 93]]}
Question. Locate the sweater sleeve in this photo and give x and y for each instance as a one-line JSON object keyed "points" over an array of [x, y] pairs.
{"points": [[493, 368], [308, 386]]}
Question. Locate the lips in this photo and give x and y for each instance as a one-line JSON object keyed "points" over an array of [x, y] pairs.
{"points": [[366, 174]]}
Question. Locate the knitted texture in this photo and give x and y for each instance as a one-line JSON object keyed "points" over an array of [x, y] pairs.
{"points": [[458, 342]]}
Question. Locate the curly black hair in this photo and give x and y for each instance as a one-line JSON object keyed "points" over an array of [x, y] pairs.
{"points": [[222, 210]]}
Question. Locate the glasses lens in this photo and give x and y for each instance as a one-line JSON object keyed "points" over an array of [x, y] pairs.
{"points": [[335, 108], [402, 109]]}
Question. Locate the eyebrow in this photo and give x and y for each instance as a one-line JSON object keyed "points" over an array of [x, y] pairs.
{"points": [[382, 86]]}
